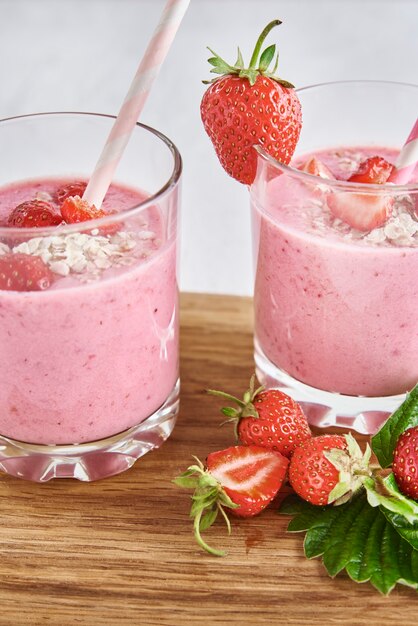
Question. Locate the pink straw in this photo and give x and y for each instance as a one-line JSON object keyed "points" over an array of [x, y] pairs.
{"points": [[407, 159], [134, 101]]}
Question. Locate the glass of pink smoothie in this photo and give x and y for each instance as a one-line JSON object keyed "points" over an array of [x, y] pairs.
{"points": [[336, 322], [89, 338]]}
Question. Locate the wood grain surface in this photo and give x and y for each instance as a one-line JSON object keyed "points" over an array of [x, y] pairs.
{"points": [[121, 551]]}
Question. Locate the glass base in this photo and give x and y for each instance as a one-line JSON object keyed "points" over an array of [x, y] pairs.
{"points": [[323, 408], [93, 460]]}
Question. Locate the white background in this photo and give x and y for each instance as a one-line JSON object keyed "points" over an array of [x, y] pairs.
{"points": [[82, 54]]}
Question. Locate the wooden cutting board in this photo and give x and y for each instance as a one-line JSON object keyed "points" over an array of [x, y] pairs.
{"points": [[121, 551]]}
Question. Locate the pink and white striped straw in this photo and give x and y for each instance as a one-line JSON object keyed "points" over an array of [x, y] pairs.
{"points": [[407, 159], [135, 99]]}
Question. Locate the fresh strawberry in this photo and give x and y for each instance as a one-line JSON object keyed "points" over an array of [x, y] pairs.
{"points": [[244, 479], [34, 214], [250, 106], [75, 210], [77, 188], [364, 211], [23, 272], [405, 463], [317, 168], [361, 211], [270, 419], [373, 171], [328, 469]]}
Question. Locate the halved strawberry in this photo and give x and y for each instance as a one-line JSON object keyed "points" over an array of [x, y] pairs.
{"points": [[75, 210], [373, 171], [244, 479], [77, 188], [317, 168], [361, 211], [23, 272], [34, 214], [250, 475]]}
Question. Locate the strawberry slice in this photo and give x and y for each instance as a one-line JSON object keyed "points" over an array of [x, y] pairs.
{"points": [[244, 479], [317, 168], [365, 211], [23, 272], [361, 211], [77, 188], [34, 213], [75, 210], [373, 171], [250, 475]]}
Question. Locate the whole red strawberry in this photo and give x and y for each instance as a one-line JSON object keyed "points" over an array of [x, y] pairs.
{"points": [[405, 463], [250, 106], [328, 469], [34, 214], [244, 479], [23, 272], [267, 418]]}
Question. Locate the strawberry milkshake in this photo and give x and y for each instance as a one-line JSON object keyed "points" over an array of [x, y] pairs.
{"points": [[336, 254], [96, 352], [335, 306], [89, 327]]}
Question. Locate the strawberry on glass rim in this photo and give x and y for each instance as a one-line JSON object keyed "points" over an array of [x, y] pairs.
{"points": [[249, 106], [243, 479]]}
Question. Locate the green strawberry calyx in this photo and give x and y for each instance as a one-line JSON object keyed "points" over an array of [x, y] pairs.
{"points": [[256, 68], [354, 469], [246, 407], [208, 500]]}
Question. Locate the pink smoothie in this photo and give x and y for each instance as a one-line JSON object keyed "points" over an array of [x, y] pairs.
{"points": [[97, 352], [336, 308]]}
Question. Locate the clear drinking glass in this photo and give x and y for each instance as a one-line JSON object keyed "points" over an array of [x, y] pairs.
{"points": [[89, 370], [336, 309]]}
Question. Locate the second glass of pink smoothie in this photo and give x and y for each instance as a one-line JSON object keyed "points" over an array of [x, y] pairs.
{"points": [[335, 307], [89, 369]]}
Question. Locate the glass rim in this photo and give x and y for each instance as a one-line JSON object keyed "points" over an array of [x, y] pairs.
{"points": [[343, 185], [170, 184]]}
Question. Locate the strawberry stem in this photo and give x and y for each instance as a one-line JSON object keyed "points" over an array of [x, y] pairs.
{"points": [[225, 396], [260, 41], [200, 541], [221, 67]]}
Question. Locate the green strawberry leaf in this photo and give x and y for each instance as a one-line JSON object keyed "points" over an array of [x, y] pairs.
{"points": [[239, 63], [406, 416], [385, 493], [404, 528], [266, 58], [357, 538], [208, 518]]}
